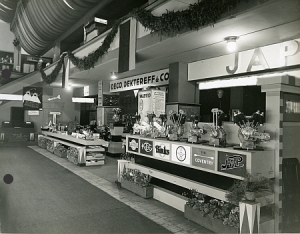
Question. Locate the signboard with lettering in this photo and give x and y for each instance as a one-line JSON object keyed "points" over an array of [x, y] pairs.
{"points": [[203, 158], [258, 59], [133, 144], [181, 154], [162, 150], [232, 163], [156, 78], [146, 147]]}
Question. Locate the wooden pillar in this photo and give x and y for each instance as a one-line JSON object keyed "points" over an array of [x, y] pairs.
{"points": [[274, 125], [249, 217]]}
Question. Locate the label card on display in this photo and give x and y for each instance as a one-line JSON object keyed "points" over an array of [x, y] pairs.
{"points": [[133, 144], [232, 163], [181, 154], [146, 147], [162, 150], [203, 158]]}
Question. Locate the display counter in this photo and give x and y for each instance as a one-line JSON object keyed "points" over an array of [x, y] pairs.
{"points": [[76, 140], [227, 161], [80, 151], [178, 165], [16, 134]]}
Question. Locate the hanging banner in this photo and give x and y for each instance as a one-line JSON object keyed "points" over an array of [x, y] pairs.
{"points": [[156, 78], [32, 98]]}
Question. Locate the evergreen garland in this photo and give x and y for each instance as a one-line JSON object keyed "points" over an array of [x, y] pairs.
{"points": [[48, 79], [198, 15], [89, 61]]}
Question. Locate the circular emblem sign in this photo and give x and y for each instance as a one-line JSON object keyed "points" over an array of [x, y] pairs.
{"points": [[180, 153]]}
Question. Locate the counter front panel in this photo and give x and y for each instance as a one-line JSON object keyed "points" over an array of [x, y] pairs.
{"points": [[223, 161]]}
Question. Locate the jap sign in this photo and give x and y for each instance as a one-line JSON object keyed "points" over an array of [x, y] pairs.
{"points": [[156, 78], [133, 144], [203, 158], [232, 163], [146, 147], [258, 59], [162, 150], [181, 154]]}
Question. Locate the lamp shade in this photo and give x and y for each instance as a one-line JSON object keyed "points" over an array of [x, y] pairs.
{"points": [[220, 93], [231, 43]]}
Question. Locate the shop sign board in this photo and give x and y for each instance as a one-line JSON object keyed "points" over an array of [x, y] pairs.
{"points": [[258, 59], [162, 150], [181, 154], [203, 158], [146, 147], [155, 78], [232, 163], [133, 144], [33, 112]]}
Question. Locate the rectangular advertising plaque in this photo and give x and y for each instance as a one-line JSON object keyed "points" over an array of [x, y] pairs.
{"points": [[203, 158], [146, 147], [181, 154], [133, 144], [162, 150], [232, 163]]}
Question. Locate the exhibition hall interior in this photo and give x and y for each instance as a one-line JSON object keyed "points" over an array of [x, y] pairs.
{"points": [[149, 116]]}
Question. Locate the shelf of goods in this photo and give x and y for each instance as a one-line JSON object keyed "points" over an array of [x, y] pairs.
{"points": [[225, 162], [80, 151]]}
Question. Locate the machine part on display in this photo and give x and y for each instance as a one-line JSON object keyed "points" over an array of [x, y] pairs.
{"points": [[217, 132], [249, 135]]}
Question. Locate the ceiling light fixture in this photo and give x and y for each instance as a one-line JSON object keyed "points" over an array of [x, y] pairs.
{"points": [[231, 43], [113, 75]]}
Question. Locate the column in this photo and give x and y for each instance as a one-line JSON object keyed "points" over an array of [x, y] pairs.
{"points": [[17, 58], [180, 89]]}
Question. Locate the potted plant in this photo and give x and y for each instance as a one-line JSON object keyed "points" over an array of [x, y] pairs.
{"points": [[213, 214], [248, 188], [137, 182]]}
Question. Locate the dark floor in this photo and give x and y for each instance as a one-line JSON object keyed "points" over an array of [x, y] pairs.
{"points": [[45, 197]]}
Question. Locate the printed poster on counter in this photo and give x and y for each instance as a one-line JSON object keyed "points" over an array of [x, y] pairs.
{"points": [[151, 101], [232, 163], [162, 150], [181, 154], [203, 158], [32, 98]]}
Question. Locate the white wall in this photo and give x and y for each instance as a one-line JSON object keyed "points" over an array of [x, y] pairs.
{"points": [[6, 37]]}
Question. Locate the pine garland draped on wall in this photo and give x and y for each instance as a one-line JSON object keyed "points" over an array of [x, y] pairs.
{"points": [[198, 15]]}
